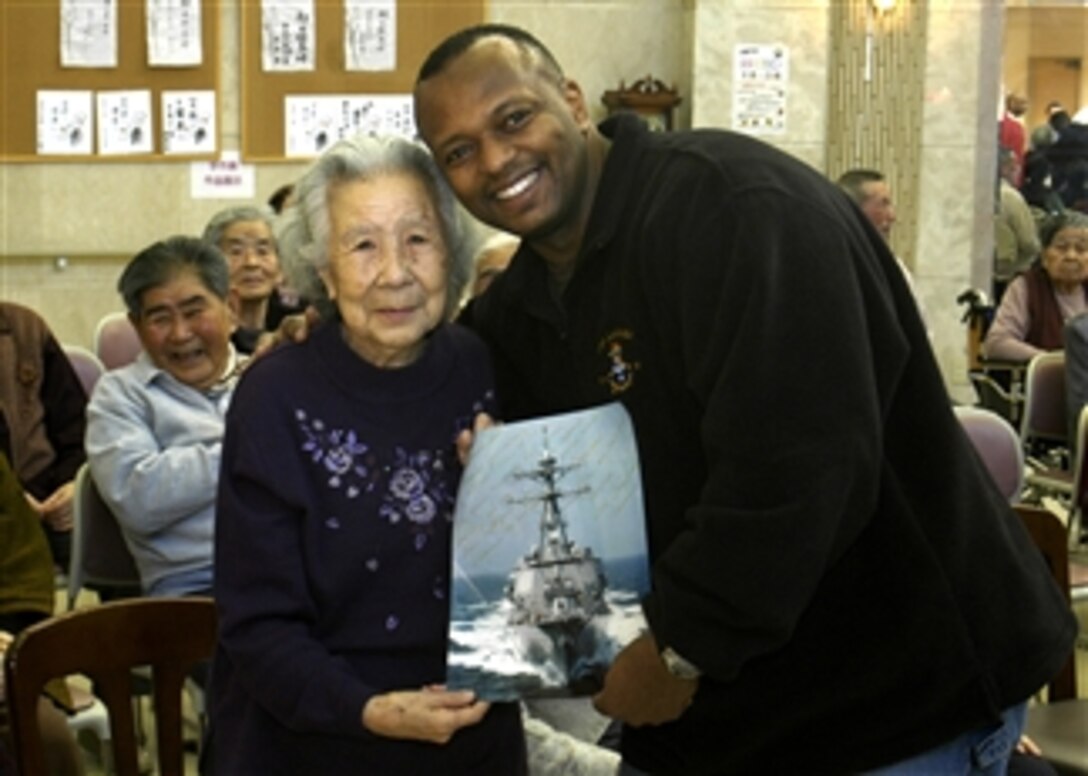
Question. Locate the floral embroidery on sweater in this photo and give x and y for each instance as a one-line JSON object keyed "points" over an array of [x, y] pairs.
{"points": [[342, 454], [415, 487]]}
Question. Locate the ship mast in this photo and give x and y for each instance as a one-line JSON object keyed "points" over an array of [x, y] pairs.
{"points": [[554, 545]]}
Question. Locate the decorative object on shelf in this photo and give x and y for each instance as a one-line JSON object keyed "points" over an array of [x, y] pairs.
{"points": [[647, 97]]}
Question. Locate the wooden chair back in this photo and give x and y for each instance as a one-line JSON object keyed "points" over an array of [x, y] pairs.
{"points": [[1050, 537], [105, 643]]}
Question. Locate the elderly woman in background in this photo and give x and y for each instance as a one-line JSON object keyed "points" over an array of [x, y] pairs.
{"points": [[336, 500], [1038, 302], [245, 236]]}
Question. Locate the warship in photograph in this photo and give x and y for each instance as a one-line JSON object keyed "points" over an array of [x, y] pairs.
{"points": [[558, 588]]}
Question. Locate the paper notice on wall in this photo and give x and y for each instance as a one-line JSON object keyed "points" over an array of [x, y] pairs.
{"points": [[370, 35], [88, 33], [288, 35], [124, 122], [760, 80], [315, 122], [188, 122], [65, 122], [225, 178], [174, 33]]}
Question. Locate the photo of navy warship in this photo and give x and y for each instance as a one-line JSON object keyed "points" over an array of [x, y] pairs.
{"points": [[549, 557], [558, 587]]}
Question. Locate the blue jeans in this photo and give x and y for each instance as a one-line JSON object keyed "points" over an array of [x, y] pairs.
{"points": [[983, 752]]}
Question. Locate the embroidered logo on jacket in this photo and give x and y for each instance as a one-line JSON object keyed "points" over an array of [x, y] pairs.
{"points": [[619, 372]]}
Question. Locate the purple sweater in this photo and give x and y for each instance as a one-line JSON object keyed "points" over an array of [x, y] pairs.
{"points": [[333, 558]]}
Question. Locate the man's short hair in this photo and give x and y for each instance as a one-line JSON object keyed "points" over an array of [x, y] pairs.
{"points": [[853, 182], [461, 41], [162, 261], [278, 199]]}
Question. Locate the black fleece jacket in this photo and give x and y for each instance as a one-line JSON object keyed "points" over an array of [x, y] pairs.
{"points": [[826, 545]]}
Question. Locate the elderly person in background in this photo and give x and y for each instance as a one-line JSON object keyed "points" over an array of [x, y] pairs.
{"points": [[870, 190], [245, 236], [1037, 303], [42, 406], [339, 478], [873, 195], [1012, 133], [155, 427], [1016, 239]]}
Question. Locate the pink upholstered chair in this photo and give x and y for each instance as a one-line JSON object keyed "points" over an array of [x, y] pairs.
{"points": [[115, 340], [998, 445], [88, 366]]}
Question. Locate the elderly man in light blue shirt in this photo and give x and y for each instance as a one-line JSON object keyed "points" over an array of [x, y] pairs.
{"points": [[155, 427]]}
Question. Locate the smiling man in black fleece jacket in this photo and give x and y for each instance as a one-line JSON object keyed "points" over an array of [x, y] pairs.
{"points": [[837, 584]]}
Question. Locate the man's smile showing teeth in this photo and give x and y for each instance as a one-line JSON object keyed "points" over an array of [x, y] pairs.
{"points": [[186, 357], [519, 186]]}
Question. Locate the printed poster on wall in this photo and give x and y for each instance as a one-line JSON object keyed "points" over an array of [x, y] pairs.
{"points": [[65, 122], [760, 81], [188, 122], [124, 122], [88, 33], [370, 35], [288, 35], [315, 122], [174, 33]]}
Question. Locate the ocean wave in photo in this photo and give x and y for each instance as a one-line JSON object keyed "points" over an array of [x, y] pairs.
{"points": [[501, 661]]}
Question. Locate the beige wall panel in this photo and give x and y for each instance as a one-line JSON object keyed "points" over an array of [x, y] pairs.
{"points": [[800, 25], [600, 44]]}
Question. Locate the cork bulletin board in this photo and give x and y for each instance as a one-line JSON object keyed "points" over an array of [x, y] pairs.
{"points": [[30, 60], [421, 24]]}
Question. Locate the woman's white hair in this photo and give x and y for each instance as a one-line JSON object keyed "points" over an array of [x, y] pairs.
{"points": [[303, 231]]}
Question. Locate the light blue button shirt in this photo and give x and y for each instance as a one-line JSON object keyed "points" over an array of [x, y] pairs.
{"points": [[153, 445]]}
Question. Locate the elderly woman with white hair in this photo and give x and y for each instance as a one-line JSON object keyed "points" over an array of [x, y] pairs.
{"points": [[337, 491], [245, 235]]}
